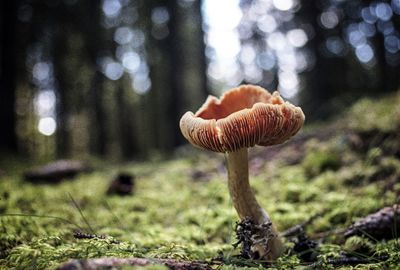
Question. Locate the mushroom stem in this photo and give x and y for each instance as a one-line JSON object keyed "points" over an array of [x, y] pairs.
{"points": [[246, 204]]}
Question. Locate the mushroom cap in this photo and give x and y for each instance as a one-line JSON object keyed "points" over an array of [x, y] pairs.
{"points": [[242, 117]]}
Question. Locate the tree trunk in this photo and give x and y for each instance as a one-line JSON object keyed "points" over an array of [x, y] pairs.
{"points": [[388, 76], [165, 61], [171, 65], [174, 50], [63, 138], [97, 131], [8, 137], [201, 49], [126, 124], [327, 79], [94, 43]]}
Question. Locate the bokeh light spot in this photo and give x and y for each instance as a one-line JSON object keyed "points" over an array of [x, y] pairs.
{"points": [[141, 83], [111, 8], [131, 61], [367, 29], [335, 45], [247, 54], [215, 19], [383, 11], [283, 5], [41, 71], [267, 24], [266, 60], [356, 38], [123, 35], [297, 37], [47, 126], [114, 71], [385, 27], [396, 6], [329, 19], [392, 44], [45, 102], [288, 84], [364, 53], [160, 15], [277, 41]]}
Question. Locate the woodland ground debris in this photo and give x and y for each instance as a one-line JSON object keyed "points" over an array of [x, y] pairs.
{"points": [[383, 224], [348, 260], [56, 171], [113, 263], [122, 184], [249, 233]]}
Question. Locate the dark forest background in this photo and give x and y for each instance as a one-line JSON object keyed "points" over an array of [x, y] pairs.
{"points": [[111, 78]]}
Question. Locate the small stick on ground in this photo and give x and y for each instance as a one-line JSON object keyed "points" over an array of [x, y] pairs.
{"points": [[112, 263], [82, 235], [383, 224], [344, 260], [299, 228]]}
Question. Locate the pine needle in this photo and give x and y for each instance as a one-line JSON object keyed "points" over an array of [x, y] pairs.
{"points": [[42, 216], [81, 213]]}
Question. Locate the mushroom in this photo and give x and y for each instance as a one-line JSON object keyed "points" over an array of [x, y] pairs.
{"points": [[244, 117]]}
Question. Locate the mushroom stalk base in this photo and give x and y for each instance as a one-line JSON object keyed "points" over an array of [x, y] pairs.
{"points": [[247, 206]]}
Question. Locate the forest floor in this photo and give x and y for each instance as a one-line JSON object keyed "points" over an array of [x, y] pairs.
{"points": [[325, 178]]}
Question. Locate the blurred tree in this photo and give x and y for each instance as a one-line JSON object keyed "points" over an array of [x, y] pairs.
{"points": [[64, 84], [127, 120], [327, 79], [8, 35], [95, 44], [74, 36], [196, 34], [341, 50], [177, 70], [173, 47], [194, 60], [66, 50], [350, 45]]}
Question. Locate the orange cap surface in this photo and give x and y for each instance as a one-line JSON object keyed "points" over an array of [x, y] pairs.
{"points": [[242, 117]]}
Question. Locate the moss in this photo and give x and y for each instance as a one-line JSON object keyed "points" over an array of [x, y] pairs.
{"points": [[366, 172], [321, 157], [380, 114], [359, 246], [287, 262], [339, 216]]}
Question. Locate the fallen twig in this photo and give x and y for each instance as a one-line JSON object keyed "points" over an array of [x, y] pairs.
{"points": [[344, 260], [299, 228], [111, 263], [383, 224]]}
